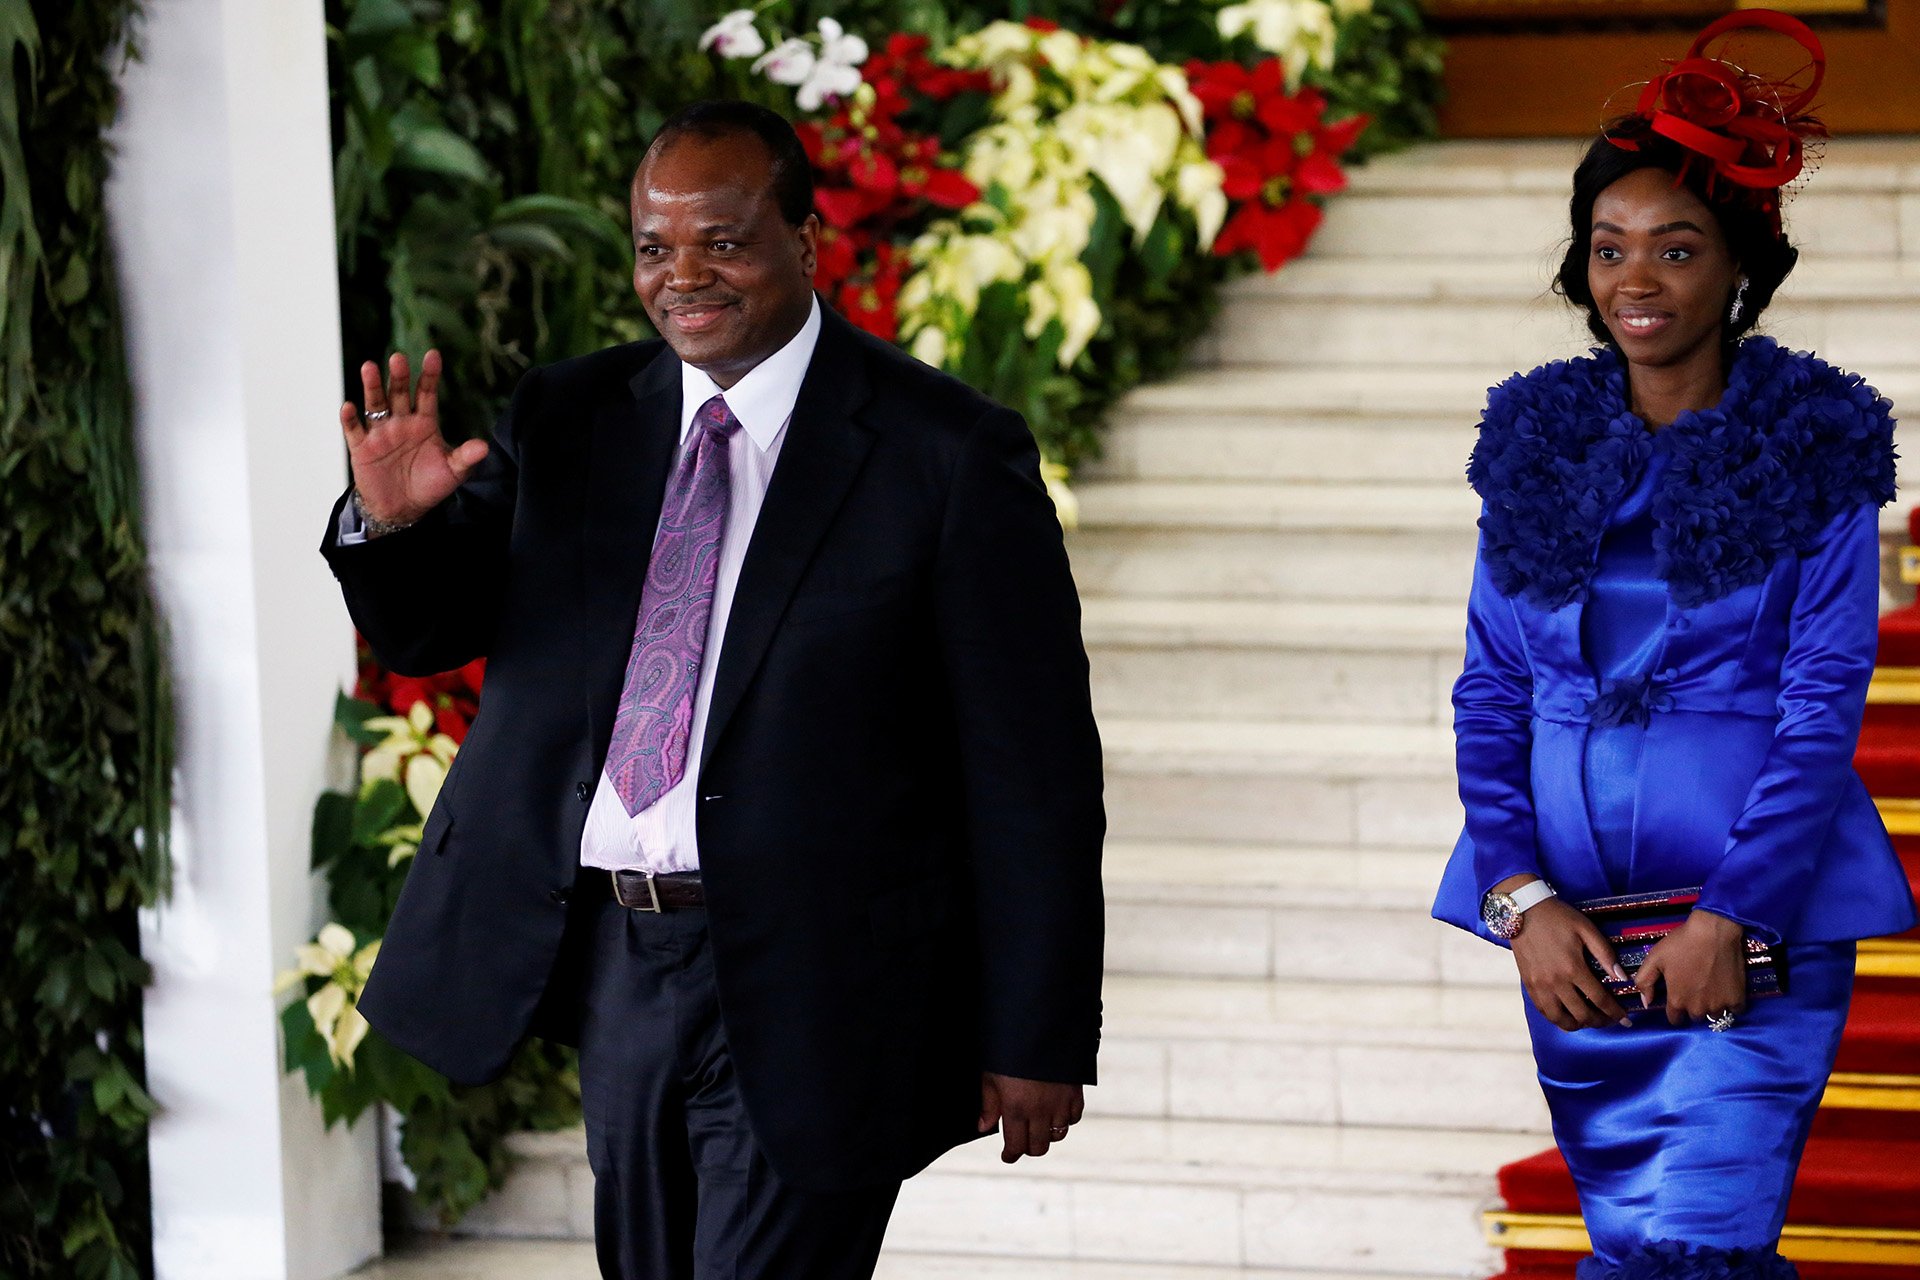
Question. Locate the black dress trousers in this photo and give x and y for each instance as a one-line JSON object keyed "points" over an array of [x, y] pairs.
{"points": [[681, 1189]]}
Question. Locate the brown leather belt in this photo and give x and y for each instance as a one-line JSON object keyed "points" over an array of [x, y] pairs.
{"points": [[648, 891]]}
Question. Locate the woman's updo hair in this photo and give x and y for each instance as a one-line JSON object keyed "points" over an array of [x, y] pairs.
{"points": [[1765, 258]]}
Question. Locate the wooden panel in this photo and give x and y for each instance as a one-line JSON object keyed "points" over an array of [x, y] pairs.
{"points": [[1525, 69]]}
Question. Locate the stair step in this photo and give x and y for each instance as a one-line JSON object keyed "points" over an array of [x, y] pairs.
{"points": [[1496, 315], [1842, 1182], [1271, 1195], [1146, 1191], [1321, 783], [574, 1260], [1442, 200], [1306, 1052], [1275, 541], [1210, 910], [1323, 426], [1218, 659]]}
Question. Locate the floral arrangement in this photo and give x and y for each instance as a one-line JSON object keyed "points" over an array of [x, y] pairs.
{"points": [[1047, 209], [1003, 205], [406, 731]]}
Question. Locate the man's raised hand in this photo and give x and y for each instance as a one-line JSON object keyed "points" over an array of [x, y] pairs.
{"points": [[402, 465]]}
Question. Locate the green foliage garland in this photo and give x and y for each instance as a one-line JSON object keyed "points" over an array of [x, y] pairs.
{"points": [[84, 717]]}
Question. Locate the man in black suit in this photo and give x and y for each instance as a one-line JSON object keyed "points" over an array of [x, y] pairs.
{"points": [[784, 800]]}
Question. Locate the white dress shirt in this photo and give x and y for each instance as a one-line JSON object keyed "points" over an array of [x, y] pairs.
{"points": [[661, 837]]}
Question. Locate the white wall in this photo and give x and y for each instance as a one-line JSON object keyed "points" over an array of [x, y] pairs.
{"points": [[222, 212]]}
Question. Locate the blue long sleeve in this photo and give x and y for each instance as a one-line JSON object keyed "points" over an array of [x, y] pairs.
{"points": [[1493, 737], [1774, 847]]}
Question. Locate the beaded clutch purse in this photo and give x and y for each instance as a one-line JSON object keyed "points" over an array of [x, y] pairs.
{"points": [[1634, 922]]}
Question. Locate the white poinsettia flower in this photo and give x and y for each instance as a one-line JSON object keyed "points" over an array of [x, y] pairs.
{"points": [[1062, 49], [1301, 32], [837, 44], [1172, 82], [411, 754], [789, 62], [930, 347], [424, 776], [1065, 505], [1064, 292], [333, 1008], [1198, 188], [734, 36], [999, 43], [1019, 93]]}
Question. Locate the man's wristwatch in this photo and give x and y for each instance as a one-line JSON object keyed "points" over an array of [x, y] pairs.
{"points": [[1503, 913]]}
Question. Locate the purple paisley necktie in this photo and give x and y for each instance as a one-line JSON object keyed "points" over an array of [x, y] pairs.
{"points": [[655, 721]]}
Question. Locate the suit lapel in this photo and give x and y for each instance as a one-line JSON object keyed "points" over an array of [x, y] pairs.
{"points": [[824, 449], [627, 463]]}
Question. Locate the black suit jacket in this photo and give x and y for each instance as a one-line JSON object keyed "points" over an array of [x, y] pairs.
{"points": [[900, 815]]}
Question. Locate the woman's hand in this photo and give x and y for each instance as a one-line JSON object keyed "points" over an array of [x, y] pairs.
{"points": [[1704, 963], [1551, 950], [402, 465]]}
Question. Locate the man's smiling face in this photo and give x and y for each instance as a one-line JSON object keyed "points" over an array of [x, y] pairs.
{"points": [[723, 276]]}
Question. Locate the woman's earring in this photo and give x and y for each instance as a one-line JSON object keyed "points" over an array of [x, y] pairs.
{"points": [[1739, 302]]}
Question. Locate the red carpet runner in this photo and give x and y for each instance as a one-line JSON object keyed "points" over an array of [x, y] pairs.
{"points": [[1855, 1213]]}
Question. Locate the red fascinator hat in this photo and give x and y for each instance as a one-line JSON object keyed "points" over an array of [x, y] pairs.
{"points": [[1749, 130]]}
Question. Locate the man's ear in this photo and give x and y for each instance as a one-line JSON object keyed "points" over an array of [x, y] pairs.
{"points": [[809, 233]]}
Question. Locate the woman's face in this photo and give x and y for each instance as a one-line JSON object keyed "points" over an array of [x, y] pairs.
{"points": [[1659, 270]]}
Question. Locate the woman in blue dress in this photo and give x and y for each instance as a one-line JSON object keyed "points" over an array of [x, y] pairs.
{"points": [[1671, 630]]}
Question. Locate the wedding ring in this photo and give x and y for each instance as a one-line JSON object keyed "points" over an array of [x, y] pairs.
{"points": [[1722, 1021], [375, 415], [1058, 1131]]}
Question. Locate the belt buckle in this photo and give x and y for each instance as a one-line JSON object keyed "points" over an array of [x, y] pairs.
{"points": [[653, 894]]}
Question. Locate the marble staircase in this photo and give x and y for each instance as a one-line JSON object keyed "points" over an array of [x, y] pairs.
{"points": [[1302, 1073]]}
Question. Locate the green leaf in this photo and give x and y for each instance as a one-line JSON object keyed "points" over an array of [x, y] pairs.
{"points": [[73, 283], [531, 239], [352, 714], [436, 149], [380, 805], [332, 828], [379, 18], [1164, 248]]}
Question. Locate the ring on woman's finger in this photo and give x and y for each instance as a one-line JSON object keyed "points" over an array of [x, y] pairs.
{"points": [[1058, 1132], [1721, 1021], [376, 415]]}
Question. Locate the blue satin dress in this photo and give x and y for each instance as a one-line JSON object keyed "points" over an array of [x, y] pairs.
{"points": [[1680, 1140]]}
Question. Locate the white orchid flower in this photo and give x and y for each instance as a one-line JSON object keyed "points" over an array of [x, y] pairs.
{"points": [[734, 36], [827, 80], [789, 62], [839, 45]]}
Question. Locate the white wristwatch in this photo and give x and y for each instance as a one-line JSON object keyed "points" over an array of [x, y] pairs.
{"points": [[1502, 912]]}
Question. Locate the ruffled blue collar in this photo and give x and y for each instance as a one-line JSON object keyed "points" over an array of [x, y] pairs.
{"points": [[1793, 443]]}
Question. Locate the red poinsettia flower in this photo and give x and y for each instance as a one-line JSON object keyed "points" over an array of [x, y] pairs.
{"points": [[1277, 231], [836, 256], [453, 696], [869, 300], [1046, 26]]}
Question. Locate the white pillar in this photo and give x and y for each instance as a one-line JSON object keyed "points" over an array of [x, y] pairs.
{"points": [[222, 210]]}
